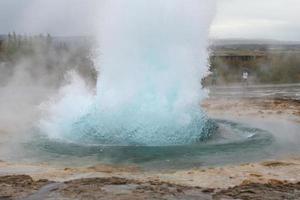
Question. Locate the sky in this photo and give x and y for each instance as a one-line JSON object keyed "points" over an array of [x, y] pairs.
{"points": [[257, 19], [249, 19]]}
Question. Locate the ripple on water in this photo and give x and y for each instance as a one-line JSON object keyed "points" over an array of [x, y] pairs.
{"points": [[231, 143]]}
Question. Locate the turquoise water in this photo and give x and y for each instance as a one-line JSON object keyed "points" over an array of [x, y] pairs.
{"points": [[146, 129], [230, 143]]}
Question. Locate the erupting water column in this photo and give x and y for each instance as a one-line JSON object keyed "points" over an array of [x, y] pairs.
{"points": [[152, 56]]}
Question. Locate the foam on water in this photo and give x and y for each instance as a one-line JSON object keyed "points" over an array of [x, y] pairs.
{"points": [[151, 58]]}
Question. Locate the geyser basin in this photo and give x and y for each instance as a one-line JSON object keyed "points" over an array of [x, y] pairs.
{"points": [[227, 144]]}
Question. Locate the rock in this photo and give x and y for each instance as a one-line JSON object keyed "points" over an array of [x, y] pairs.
{"points": [[276, 164], [275, 182], [256, 175], [208, 190], [275, 190], [19, 186]]}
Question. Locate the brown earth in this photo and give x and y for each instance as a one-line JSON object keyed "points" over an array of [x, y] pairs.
{"points": [[262, 107], [253, 106], [19, 186], [274, 190], [24, 187]]}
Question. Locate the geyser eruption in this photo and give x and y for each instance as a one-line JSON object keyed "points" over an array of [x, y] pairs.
{"points": [[151, 58]]}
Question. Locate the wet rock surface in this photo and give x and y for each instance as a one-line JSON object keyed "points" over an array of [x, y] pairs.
{"points": [[123, 189], [19, 186], [24, 187], [275, 190]]}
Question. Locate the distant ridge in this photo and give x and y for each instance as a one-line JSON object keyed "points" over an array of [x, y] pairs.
{"points": [[71, 40], [3, 37], [213, 42], [239, 41]]}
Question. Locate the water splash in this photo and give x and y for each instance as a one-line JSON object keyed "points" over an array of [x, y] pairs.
{"points": [[152, 57]]}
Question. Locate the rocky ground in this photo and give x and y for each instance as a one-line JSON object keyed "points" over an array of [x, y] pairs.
{"points": [[24, 187], [272, 179]]}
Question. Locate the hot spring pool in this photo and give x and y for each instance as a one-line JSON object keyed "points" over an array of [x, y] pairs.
{"points": [[231, 143]]}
